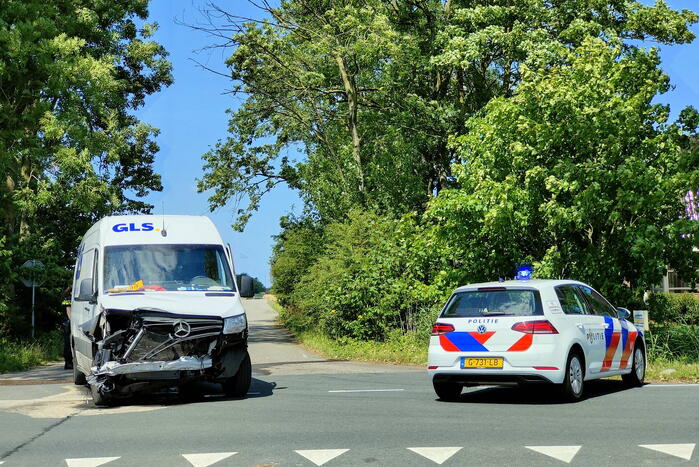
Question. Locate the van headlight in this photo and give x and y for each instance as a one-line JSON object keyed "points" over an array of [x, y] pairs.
{"points": [[234, 324]]}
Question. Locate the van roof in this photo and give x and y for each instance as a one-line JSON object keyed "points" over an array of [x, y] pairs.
{"points": [[147, 229]]}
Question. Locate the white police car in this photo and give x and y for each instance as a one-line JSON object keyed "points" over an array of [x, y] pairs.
{"points": [[533, 331]]}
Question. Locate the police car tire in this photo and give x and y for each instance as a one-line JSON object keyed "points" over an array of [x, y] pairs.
{"points": [[632, 379], [78, 376], [568, 391], [448, 391], [238, 385]]}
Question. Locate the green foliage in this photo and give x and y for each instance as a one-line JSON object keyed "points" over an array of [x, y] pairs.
{"points": [[371, 278], [22, 355], [671, 308], [673, 342], [577, 173], [71, 150]]}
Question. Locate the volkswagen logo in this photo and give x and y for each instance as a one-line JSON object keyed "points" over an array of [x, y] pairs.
{"points": [[481, 329], [182, 328]]}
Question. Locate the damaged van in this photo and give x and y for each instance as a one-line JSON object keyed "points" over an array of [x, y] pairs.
{"points": [[155, 305]]}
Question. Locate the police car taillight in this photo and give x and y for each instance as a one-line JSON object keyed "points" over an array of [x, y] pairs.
{"points": [[441, 328], [535, 327]]}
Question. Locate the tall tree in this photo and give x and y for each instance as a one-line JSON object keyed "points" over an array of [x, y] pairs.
{"points": [[353, 102], [72, 73]]}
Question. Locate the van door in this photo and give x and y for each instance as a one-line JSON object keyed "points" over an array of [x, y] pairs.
{"points": [[83, 307]]}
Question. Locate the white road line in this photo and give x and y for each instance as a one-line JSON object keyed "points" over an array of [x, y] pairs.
{"points": [[89, 461], [367, 390], [321, 456], [683, 451], [436, 455], [205, 459], [562, 453], [677, 385]]}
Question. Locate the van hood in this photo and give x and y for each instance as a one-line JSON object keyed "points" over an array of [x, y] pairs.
{"points": [[185, 303]]}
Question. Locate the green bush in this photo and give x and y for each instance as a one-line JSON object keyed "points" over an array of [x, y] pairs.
{"points": [[372, 277], [673, 341], [674, 308], [21, 355]]}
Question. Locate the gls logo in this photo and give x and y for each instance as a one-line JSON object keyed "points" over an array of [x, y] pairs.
{"points": [[144, 227]]}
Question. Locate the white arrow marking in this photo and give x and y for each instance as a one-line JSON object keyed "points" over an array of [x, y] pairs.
{"points": [[562, 453], [89, 461], [321, 456], [436, 455], [206, 459], [683, 451]]}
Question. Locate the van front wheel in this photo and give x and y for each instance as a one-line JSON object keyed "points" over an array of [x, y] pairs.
{"points": [[78, 376], [238, 385]]}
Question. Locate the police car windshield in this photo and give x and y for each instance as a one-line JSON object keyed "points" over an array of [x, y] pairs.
{"points": [[494, 303], [166, 267]]}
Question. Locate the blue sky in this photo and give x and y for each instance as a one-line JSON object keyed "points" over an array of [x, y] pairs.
{"points": [[191, 117]]}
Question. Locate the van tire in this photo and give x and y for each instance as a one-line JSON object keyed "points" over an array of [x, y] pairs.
{"points": [[99, 398], [238, 385], [573, 385], [448, 391], [78, 376]]}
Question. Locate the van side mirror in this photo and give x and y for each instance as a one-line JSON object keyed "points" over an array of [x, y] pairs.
{"points": [[85, 292], [623, 313], [245, 286]]}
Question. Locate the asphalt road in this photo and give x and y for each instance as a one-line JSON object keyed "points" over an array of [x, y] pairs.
{"points": [[304, 410]]}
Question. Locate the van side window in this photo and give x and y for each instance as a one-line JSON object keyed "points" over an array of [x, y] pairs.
{"points": [[571, 302], [85, 270]]}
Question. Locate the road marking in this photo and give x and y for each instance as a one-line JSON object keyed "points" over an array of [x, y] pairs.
{"points": [[89, 461], [205, 459], [321, 456], [676, 385], [436, 455], [367, 390], [683, 451], [562, 453]]}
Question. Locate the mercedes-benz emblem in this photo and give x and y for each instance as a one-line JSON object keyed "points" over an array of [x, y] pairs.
{"points": [[182, 328], [481, 329]]}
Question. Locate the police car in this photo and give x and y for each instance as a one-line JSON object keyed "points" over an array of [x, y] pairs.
{"points": [[532, 331]]}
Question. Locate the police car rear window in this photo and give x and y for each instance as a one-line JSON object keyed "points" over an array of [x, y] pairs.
{"points": [[502, 302]]}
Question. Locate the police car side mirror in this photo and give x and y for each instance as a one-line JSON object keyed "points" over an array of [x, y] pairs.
{"points": [[86, 294], [623, 313]]}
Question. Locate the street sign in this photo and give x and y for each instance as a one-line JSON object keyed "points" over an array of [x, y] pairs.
{"points": [[640, 319], [32, 272], [32, 275]]}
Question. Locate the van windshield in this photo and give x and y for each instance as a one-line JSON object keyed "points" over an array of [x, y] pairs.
{"points": [[505, 302], [166, 267]]}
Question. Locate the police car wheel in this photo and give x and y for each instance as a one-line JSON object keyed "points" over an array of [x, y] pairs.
{"points": [[448, 391], [638, 369], [238, 385], [574, 378]]}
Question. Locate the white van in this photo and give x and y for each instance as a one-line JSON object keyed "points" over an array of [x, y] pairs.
{"points": [[155, 305]]}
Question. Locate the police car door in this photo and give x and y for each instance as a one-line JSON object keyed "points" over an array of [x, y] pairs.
{"points": [[611, 326]]}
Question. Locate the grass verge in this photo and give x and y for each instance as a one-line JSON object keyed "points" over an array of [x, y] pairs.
{"points": [[22, 355], [412, 350]]}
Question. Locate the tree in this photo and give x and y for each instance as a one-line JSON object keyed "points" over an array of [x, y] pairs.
{"points": [[577, 172], [367, 93], [72, 72]]}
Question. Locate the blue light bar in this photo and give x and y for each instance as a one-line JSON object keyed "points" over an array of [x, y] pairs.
{"points": [[524, 272]]}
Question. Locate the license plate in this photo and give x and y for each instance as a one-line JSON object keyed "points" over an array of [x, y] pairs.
{"points": [[488, 362]]}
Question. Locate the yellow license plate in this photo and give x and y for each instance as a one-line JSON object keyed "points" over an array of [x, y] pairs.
{"points": [[490, 362]]}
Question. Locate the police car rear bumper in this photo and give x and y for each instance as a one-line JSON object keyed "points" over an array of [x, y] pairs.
{"points": [[490, 379]]}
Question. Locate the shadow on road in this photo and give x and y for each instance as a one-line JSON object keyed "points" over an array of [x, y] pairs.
{"points": [[270, 333], [536, 395]]}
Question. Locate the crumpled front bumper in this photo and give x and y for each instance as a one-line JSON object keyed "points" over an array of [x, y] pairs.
{"points": [[113, 368]]}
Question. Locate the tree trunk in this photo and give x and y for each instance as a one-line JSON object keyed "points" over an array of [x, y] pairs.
{"points": [[352, 103]]}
